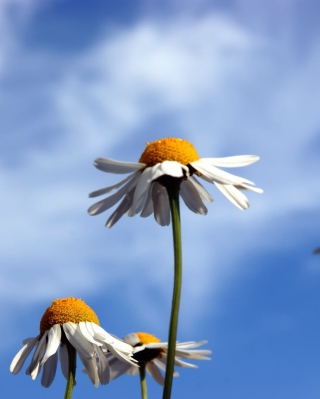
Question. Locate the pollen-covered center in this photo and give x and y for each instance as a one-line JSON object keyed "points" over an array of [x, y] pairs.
{"points": [[169, 149], [67, 310], [145, 338]]}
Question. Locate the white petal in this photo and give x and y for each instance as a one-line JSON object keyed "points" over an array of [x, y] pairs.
{"points": [[192, 198], [103, 366], [133, 370], [77, 340], [91, 369], [204, 195], [215, 175], [108, 202], [118, 167], [35, 364], [19, 359], [155, 373], [107, 189], [190, 344], [141, 192], [161, 204], [54, 338], [172, 168], [250, 188], [64, 360], [181, 363], [148, 206], [131, 339], [124, 206], [49, 370], [234, 195], [118, 367], [97, 335], [232, 162]]}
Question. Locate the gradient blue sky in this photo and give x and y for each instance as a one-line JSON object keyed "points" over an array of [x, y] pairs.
{"points": [[84, 79]]}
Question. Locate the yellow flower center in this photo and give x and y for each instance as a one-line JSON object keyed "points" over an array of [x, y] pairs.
{"points": [[169, 149], [67, 310], [146, 338]]}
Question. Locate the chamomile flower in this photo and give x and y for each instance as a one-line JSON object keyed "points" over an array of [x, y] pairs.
{"points": [[70, 319], [148, 350], [144, 190]]}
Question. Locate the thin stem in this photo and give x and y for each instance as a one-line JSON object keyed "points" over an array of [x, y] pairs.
{"points": [[143, 380], [173, 193], [72, 370]]}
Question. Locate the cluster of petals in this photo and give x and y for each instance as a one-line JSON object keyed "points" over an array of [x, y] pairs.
{"points": [[141, 192], [90, 341], [156, 365]]}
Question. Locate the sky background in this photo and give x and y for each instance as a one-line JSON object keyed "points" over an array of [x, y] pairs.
{"points": [[81, 80]]}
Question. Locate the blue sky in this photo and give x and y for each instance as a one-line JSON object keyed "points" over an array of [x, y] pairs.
{"points": [[81, 80]]}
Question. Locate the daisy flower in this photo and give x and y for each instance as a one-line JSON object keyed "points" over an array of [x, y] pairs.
{"points": [[148, 350], [70, 319], [144, 190]]}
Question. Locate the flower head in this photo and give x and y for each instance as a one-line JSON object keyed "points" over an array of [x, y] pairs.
{"points": [[144, 190], [149, 350], [70, 319]]}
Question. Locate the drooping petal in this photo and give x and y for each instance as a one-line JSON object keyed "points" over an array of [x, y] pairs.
{"points": [[118, 167], [181, 363], [215, 175], [192, 198], [49, 370], [155, 373], [133, 370], [91, 369], [54, 338], [97, 335], [35, 364], [141, 192], [103, 366], [108, 189], [77, 340], [108, 202], [148, 206], [64, 360], [19, 359], [232, 162], [204, 195], [117, 368], [124, 206], [250, 188], [234, 195], [161, 204]]}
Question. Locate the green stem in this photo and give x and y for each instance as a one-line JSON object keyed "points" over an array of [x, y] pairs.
{"points": [[143, 380], [173, 193], [72, 370]]}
